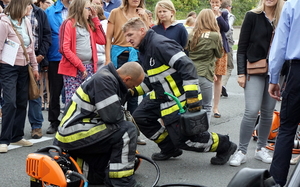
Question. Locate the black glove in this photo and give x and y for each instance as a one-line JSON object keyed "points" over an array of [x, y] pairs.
{"points": [[193, 104]]}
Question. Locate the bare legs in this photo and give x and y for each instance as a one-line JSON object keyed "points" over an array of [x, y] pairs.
{"points": [[217, 93]]}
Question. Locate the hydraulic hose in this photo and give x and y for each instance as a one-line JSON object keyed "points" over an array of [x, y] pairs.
{"points": [[158, 174], [81, 176]]}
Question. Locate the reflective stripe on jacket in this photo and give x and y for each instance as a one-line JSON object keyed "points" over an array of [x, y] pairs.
{"points": [[169, 70]]}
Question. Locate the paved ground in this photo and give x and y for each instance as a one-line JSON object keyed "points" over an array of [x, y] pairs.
{"points": [[191, 167]]}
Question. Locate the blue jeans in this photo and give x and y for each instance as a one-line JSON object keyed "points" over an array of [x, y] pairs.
{"points": [[14, 81], [35, 115]]}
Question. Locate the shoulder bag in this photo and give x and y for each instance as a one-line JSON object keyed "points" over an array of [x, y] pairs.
{"points": [[261, 66], [33, 89]]}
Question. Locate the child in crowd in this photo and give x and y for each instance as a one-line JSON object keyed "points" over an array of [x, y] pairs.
{"points": [[166, 23], [205, 46], [79, 34]]}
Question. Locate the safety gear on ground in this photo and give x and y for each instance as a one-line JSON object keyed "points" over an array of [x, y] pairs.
{"points": [[193, 104]]}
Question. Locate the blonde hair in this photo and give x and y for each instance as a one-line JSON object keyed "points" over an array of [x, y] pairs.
{"points": [[75, 12], [167, 4], [16, 9], [134, 23], [205, 21], [277, 10], [125, 4]]}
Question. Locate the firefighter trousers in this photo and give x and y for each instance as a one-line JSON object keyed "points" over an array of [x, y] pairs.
{"points": [[111, 160], [168, 136]]}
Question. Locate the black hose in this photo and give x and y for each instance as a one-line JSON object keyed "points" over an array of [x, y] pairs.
{"points": [[81, 176], [158, 174], [154, 164]]}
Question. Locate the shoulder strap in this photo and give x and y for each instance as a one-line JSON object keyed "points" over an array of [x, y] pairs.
{"points": [[22, 42]]}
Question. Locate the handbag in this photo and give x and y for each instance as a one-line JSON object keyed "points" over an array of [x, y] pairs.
{"points": [[261, 66], [258, 67], [33, 89]]}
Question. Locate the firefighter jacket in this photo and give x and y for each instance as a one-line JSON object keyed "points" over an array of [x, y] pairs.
{"points": [[94, 112], [168, 69]]}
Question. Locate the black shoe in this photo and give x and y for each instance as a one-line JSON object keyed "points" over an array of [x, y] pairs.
{"points": [[51, 129], [224, 92], [166, 156], [222, 158]]}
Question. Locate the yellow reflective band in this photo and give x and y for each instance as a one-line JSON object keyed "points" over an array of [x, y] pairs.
{"points": [[173, 85], [86, 120], [140, 90], [152, 95], [69, 113], [190, 88], [215, 145], [79, 162], [158, 70], [200, 97], [172, 109], [80, 135], [83, 95], [120, 174], [162, 137]]}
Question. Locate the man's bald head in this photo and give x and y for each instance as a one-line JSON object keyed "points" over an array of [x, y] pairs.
{"points": [[131, 73]]}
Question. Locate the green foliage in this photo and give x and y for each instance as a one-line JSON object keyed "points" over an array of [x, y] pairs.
{"points": [[183, 7]]}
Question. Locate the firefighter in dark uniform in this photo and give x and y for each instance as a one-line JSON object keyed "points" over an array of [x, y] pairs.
{"points": [[169, 70], [93, 127]]}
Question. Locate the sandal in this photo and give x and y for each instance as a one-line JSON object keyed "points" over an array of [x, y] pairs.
{"points": [[217, 115], [43, 106]]}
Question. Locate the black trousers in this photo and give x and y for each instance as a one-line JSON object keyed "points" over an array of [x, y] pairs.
{"points": [[55, 87], [289, 120], [14, 81], [146, 116], [114, 154]]}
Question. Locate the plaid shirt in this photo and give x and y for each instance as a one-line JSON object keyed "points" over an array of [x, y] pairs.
{"points": [[35, 28]]}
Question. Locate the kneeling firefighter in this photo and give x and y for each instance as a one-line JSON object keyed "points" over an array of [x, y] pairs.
{"points": [[169, 70], [93, 128]]}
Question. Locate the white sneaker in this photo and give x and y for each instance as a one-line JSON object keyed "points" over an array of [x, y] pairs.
{"points": [[3, 148], [263, 155], [295, 160], [23, 142], [237, 159]]}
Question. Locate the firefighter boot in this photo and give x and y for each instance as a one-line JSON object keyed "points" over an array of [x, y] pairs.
{"points": [[224, 150], [165, 156]]}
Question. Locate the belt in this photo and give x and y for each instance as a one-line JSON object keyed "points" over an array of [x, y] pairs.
{"points": [[294, 61]]}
